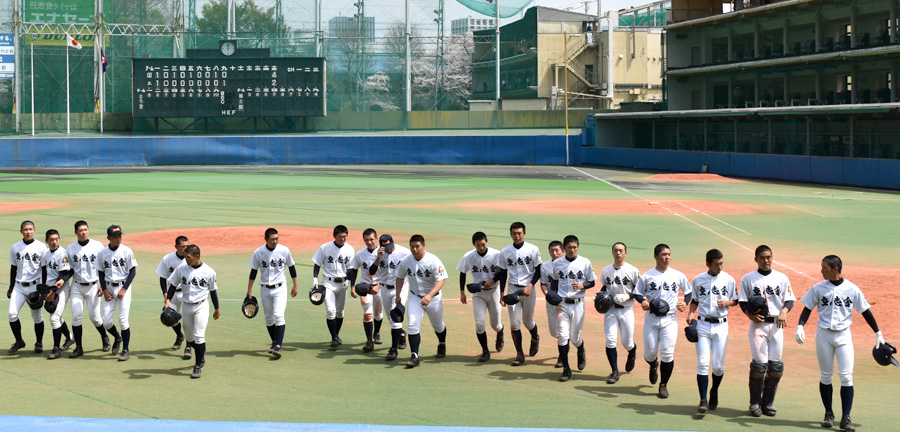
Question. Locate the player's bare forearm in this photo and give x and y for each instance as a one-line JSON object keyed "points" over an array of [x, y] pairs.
{"points": [[250, 287], [437, 288], [398, 286], [216, 314]]}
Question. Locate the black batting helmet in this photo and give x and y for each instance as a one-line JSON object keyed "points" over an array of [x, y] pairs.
{"points": [[317, 294], [169, 316], [250, 307], [757, 305], [690, 332], [475, 287], [553, 298], [659, 307], [884, 354], [602, 301], [34, 300], [50, 306], [363, 288], [512, 298], [397, 313]]}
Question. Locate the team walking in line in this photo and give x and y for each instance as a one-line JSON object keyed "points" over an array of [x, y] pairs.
{"points": [[407, 284]]}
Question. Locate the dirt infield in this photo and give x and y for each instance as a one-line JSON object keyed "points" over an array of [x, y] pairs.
{"points": [[691, 177], [21, 207], [599, 206], [229, 240]]}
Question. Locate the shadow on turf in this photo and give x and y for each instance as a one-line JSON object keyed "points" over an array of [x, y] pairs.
{"points": [[138, 374], [655, 406]]}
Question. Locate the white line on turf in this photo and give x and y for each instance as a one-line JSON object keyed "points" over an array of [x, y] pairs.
{"points": [[807, 211]]}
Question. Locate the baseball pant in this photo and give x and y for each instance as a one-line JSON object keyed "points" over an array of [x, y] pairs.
{"points": [[619, 321], [194, 319], [435, 311], [86, 295], [831, 344], [389, 297], [660, 334], [274, 301], [766, 342], [552, 321], [712, 340], [109, 308], [17, 299], [487, 302], [523, 311], [63, 295], [570, 319], [176, 301], [335, 299]]}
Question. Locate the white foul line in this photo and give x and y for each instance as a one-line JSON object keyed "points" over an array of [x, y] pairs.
{"points": [[715, 219], [807, 211]]}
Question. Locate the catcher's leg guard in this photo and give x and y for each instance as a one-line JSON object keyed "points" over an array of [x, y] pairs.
{"points": [[775, 370], [757, 374]]}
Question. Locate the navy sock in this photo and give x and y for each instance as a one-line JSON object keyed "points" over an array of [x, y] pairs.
{"points": [[827, 393], [57, 337], [442, 336], [279, 334], [338, 323], [177, 329], [517, 341], [396, 334], [717, 379], [368, 327], [702, 385], [564, 355], [414, 340], [114, 333], [377, 324], [613, 356], [331, 327], [101, 330], [846, 400], [665, 370], [126, 337], [482, 340], [272, 336], [76, 331], [533, 331], [65, 331], [39, 332], [200, 353]]}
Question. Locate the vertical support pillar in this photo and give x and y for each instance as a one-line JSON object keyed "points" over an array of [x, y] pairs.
{"points": [[808, 150]]}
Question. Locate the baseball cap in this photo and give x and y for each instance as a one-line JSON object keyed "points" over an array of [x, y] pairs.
{"points": [[114, 230], [386, 241]]}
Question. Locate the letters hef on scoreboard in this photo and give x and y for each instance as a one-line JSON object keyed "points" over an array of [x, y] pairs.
{"points": [[241, 87]]}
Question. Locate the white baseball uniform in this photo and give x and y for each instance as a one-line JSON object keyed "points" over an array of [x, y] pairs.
{"points": [[271, 265], [487, 301], [166, 267], [195, 284], [387, 271], [520, 263], [766, 339], [116, 265], [661, 333], [835, 304], [84, 260], [620, 318], [334, 262], [546, 276], [362, 261], [421, 276], [712, 321], [57, 262], [28, 259], [570, 312]]}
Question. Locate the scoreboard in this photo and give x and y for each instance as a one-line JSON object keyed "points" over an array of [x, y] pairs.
{"points": [[228, 87]]}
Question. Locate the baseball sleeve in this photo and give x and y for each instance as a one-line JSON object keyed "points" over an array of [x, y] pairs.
{"points": [[289, 259], [859, 301], [162, 269], [254, 261], [745, 288], [788, 291], [809, 299], [318, 257], [463, 265], [441, 272]]}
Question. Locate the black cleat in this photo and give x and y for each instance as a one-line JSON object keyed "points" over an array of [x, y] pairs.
{"points": [[277, 351], [442, 350], [566, 375], [519, 360], [847, 425], [412, 362], [582, 358], [704, 407], [535, 345], [498, 343], [485, 356], [38, 347], [187, 353], [663, 392], [755, 410], [613, 377], [629, 364], [177, 345], [828, 421], [125, 356], [377, 339], [369, 346], [54, 354], [106, 345], [391, 355], [116, 345], [339, 341], [654, 373], [272, 347], [713, 400], [196, 373], [14, 348], [559, 363], [334, 344], [769, 411], [77, 352], [67, 344]]}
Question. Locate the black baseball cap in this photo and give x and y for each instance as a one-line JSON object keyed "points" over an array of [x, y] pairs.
{"points": [[386, 241], [114, 230]]}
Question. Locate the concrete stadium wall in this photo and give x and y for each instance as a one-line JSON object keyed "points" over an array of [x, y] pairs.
{"points": [[287, 150], [876, 173]]}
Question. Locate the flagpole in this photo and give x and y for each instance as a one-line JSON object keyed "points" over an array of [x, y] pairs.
{"points": [[32, 86], [68, 117]]}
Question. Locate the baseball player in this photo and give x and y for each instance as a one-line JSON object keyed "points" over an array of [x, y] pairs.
{"points": [[572, 276], [766, 332], [372, 306], [714, 291], [117, 270], [425, 274], [26, 259], [270, 260], [484, 263], [386, 261], [166, 267], [58, 274], [333, 259], [835, 298], [522, 261], [84, 256], [619, 279], [660, 332], [196, 282], [556, 251]]}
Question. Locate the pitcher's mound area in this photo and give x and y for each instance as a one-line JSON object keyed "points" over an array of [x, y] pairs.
{"points": [[229, 240]]}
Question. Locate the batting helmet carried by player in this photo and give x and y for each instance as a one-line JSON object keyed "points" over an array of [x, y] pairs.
{"points": [[512, 298], [363, 289], [34, 300], [250, 307], [602, 301], [659, 307], [690, 332], [757, 305], [475, 287], [169, 316], [317, 294], [50, 306], [884, 354], [553, 298], [397, 313]]}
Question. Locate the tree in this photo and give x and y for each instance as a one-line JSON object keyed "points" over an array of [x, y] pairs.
{"points": [[250, 20], [448, 84]]}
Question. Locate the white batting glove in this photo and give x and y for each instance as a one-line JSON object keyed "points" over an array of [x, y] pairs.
{"points": [[315, 282], [879, 339], [801, 335], [620, 299]]}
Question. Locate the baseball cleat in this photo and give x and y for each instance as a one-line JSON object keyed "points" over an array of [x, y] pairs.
{"points": [[369, 346], [828, 421], [413, 361], [663, 392], [654, 374], [177, 345], [187, 353], [277, 351], [272, 347], [67, 344], [402, 343], [14, 348], [54, 354], [704, 407], [485, 356], [566, 375], [713, 400], [196, 373], [124, 356], [535, 345], [559, 363], [77, 352], [391, 355], [769, 411], [582, 358], [519, 360], [629, 364], [38, 347], [106, 345], [116, 345], [202, 363], [334, 344], [441, 350], [339, 341], [613, 377], [755, 410], [498, 343], [377, 339], [847, 425]]}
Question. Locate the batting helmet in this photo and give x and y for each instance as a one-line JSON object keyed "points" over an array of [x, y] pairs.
{"points": [[659, 307], [35, 301], [512, 298], [363, 289], [757, 305], [602, 301], [317, 294], [250, 307], [397, 313], [169, 316], [553, 298], [50, 306], [690, 332], [884, 354], [475, 287]]}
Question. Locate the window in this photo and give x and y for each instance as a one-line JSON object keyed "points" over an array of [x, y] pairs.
{"points": [[848, 83]]}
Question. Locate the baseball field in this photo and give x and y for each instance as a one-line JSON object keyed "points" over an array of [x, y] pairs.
{"points": [[225, 211]]}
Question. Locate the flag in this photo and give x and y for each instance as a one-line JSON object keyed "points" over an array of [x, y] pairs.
{"points": [[102, 60], [72, 43]]}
